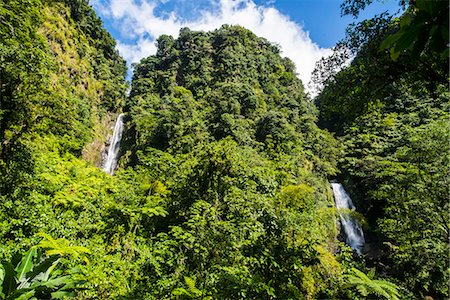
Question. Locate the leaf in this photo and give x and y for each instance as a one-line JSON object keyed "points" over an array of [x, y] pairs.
{"points": [[390, 41], [2, 277], [191, 285], [62, 294], [365, 285], [44, 269], [189, 282], [180, 292], [61, 247], [394, 54], [26, 295], [9, 282], [26, 264], [75, 271], [53, 283], [405, 21], [362, 290]]}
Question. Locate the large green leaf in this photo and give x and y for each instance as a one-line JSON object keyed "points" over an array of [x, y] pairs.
{"points": [[44, 269], [62, 294], [9, 282], [59, 281], [25, 295], [26, 264], [2, 277]]}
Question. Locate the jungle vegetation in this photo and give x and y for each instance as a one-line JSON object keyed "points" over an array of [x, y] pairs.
{"points": [[222, 190]]}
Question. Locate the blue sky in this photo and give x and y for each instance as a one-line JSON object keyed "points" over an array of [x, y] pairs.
{"points": [[304, 29], [322, 17]]}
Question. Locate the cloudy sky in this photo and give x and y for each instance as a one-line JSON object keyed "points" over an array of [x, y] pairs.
{"points": [[305, 29]]}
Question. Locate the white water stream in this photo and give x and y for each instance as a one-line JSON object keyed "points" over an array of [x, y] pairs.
{"points": [[354, 235], [114, 146]]}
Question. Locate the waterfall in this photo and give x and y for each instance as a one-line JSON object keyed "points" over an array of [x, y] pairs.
{"points": [[114, 146], [352, 229]]}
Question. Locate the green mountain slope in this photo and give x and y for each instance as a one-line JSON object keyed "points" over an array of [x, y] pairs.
{"points": [[225, 194], [392, 118], [222, 190], [61, 80], [222, 121]]}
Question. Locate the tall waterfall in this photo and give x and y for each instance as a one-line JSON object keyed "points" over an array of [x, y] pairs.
{"points": [[352, 229], [113, 151]]}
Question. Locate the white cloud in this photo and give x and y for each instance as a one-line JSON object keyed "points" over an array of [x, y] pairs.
{"points": [[139, 21], [133, 53]]}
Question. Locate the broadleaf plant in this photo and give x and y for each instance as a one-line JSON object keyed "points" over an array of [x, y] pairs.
{"points": [[38, 276]]}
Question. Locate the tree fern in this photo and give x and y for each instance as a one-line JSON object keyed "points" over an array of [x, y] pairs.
{"points": [[365, 285], [61, 247]]}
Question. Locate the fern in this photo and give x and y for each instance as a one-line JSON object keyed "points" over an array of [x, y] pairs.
{"points": [[61, 247], [366, 286], [192, 291]]}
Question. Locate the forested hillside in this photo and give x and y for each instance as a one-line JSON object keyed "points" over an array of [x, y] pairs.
{"points": [[222, 187], [221, 120], [61, 82], [390, 109]]}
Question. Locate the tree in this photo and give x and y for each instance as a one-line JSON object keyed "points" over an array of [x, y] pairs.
{"points": [[387, 112], [423, 27]]}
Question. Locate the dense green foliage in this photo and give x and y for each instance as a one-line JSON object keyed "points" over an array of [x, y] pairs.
{"points": [[38, 275], [221, 120], [368, 287], [44, 84], [226, 192], [424, 26], [58, 84], [222, 189], [392, 116], [207, 86]]}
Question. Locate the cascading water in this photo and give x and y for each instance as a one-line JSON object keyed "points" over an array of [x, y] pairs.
{"points": [[352, 229], [113, 151]]}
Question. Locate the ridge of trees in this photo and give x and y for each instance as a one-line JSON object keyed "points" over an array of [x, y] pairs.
{"points": [[389, 107]]}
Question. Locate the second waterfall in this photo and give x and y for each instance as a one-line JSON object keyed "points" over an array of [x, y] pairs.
{"points": [[114, 147], [354, 235]]}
